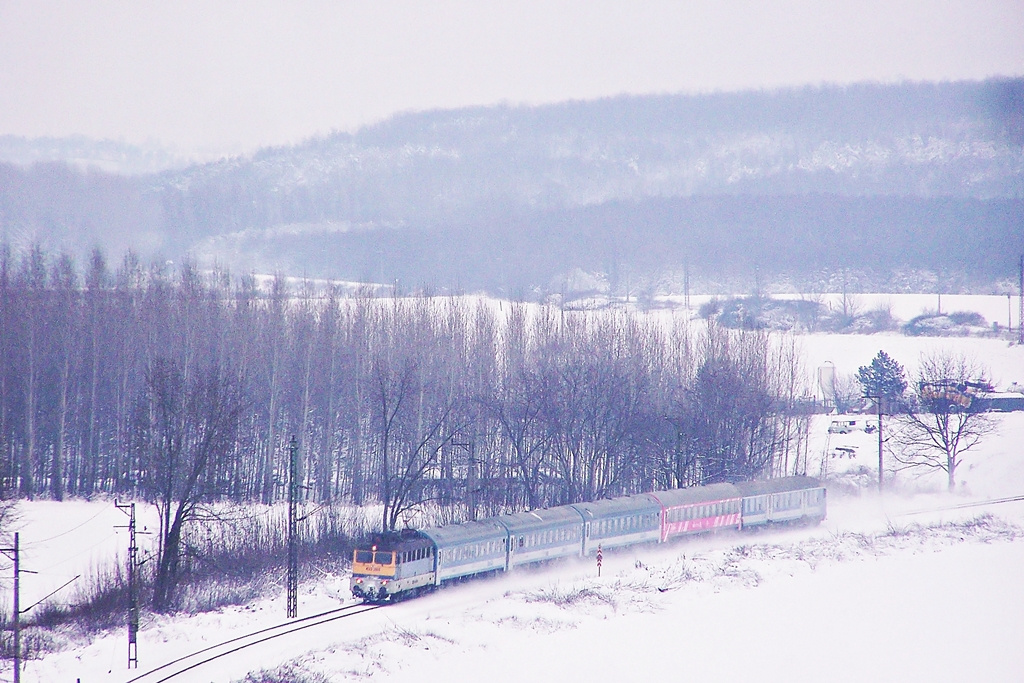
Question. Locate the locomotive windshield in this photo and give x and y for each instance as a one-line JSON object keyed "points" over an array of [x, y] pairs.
{"points": [[375, 557]]}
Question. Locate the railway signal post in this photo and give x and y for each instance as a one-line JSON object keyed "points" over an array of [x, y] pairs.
{"points": [[293, 521], [600, 557], [133, 589], [13, 554]]}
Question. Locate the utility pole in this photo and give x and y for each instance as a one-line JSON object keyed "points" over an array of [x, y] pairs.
{"points": [[878, 411], [293, 523], [133, 592], [879, 444], [13, 554], [1020, 302], [686, 286]]}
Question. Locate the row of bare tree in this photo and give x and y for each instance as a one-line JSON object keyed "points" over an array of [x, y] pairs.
{"points": [[181, 386]]}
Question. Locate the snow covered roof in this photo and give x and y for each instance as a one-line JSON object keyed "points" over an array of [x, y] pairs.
{"points": [[702, 494], [753, 488], [601, 509]]}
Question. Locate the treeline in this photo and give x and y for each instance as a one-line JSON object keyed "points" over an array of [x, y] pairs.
{"points": [[147, 380]]}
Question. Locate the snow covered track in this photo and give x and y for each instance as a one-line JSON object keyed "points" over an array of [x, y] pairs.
{"points": [[978, 503], [181, 665]]}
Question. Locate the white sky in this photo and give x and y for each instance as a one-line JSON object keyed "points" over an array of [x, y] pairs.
{"points": [[216, 77]]}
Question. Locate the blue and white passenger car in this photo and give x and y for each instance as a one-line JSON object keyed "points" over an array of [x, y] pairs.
{"points": [[468, 548], [542, 535], [619, 521], [782, 501]]}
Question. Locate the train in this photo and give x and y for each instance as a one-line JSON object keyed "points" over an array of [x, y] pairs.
{"points": [[404, 564]]}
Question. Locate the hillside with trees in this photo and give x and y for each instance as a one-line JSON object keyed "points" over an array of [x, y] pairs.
{"points": [[732, 187]]}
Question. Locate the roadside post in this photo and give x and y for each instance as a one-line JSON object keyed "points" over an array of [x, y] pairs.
{"points": [[599, 558]]}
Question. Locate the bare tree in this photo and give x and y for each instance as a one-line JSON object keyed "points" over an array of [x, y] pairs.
{"points": [[415, 415], [731, 423], [193, 423], [944, 424]]}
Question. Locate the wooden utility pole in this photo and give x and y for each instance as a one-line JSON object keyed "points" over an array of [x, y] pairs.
{"points": [[878, 411], [1020, 302], [879, 444]]}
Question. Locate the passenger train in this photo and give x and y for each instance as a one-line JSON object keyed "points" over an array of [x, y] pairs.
{"points": [[404, 564]]}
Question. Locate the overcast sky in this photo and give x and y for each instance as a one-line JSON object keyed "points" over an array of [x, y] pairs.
{"points": [[218, 77]]}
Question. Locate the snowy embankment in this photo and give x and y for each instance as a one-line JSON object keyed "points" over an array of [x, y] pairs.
{"points": [[906, 586], [898, 587]]}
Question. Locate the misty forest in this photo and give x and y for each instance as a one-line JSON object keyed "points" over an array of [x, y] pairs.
{"points": [[139, 380]]}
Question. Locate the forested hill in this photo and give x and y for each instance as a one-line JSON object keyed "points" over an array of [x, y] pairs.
{"points": [[508, 198]]}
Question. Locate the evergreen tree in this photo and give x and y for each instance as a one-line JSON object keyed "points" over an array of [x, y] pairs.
{"points": [[884, 377]]}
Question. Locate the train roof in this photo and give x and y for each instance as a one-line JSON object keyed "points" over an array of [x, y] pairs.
{"points": [[467, 532], [697, 494], [545, 518], [780, 485], [617, 507]]}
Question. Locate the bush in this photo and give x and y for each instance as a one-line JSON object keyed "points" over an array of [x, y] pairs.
{"points": [[969, 318], [286, 673], [709, 308], [959, 324]]}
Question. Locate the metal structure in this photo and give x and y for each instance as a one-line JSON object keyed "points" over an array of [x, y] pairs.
{"points": [[14, 555], [293, 523], [133, 587]]}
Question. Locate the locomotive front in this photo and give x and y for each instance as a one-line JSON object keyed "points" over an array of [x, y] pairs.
{"points": [[372, 571], [395, 566]]}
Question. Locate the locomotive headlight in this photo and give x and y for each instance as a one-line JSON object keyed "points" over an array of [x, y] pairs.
{"points": [[384, 582], [359, 580]]}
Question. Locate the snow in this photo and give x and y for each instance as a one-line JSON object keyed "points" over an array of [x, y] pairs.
{"points": [[910, 585]]}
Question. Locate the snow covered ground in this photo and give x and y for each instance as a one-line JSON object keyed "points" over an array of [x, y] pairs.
{"points": [[907, 586]]}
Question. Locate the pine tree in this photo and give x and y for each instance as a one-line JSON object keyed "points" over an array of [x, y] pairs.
{"points": [[884, 377]]}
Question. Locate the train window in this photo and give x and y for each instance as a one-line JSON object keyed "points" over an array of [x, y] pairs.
{"points": [[364, 556]]}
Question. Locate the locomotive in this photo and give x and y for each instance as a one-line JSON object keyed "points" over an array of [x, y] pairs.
{"points": [[406, 563]]}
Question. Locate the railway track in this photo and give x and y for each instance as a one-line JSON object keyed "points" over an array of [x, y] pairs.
{"points": [[961, 506], [176, 667]]}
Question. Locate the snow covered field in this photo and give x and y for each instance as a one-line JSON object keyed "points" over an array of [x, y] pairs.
{"points": [[903, 587]]}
